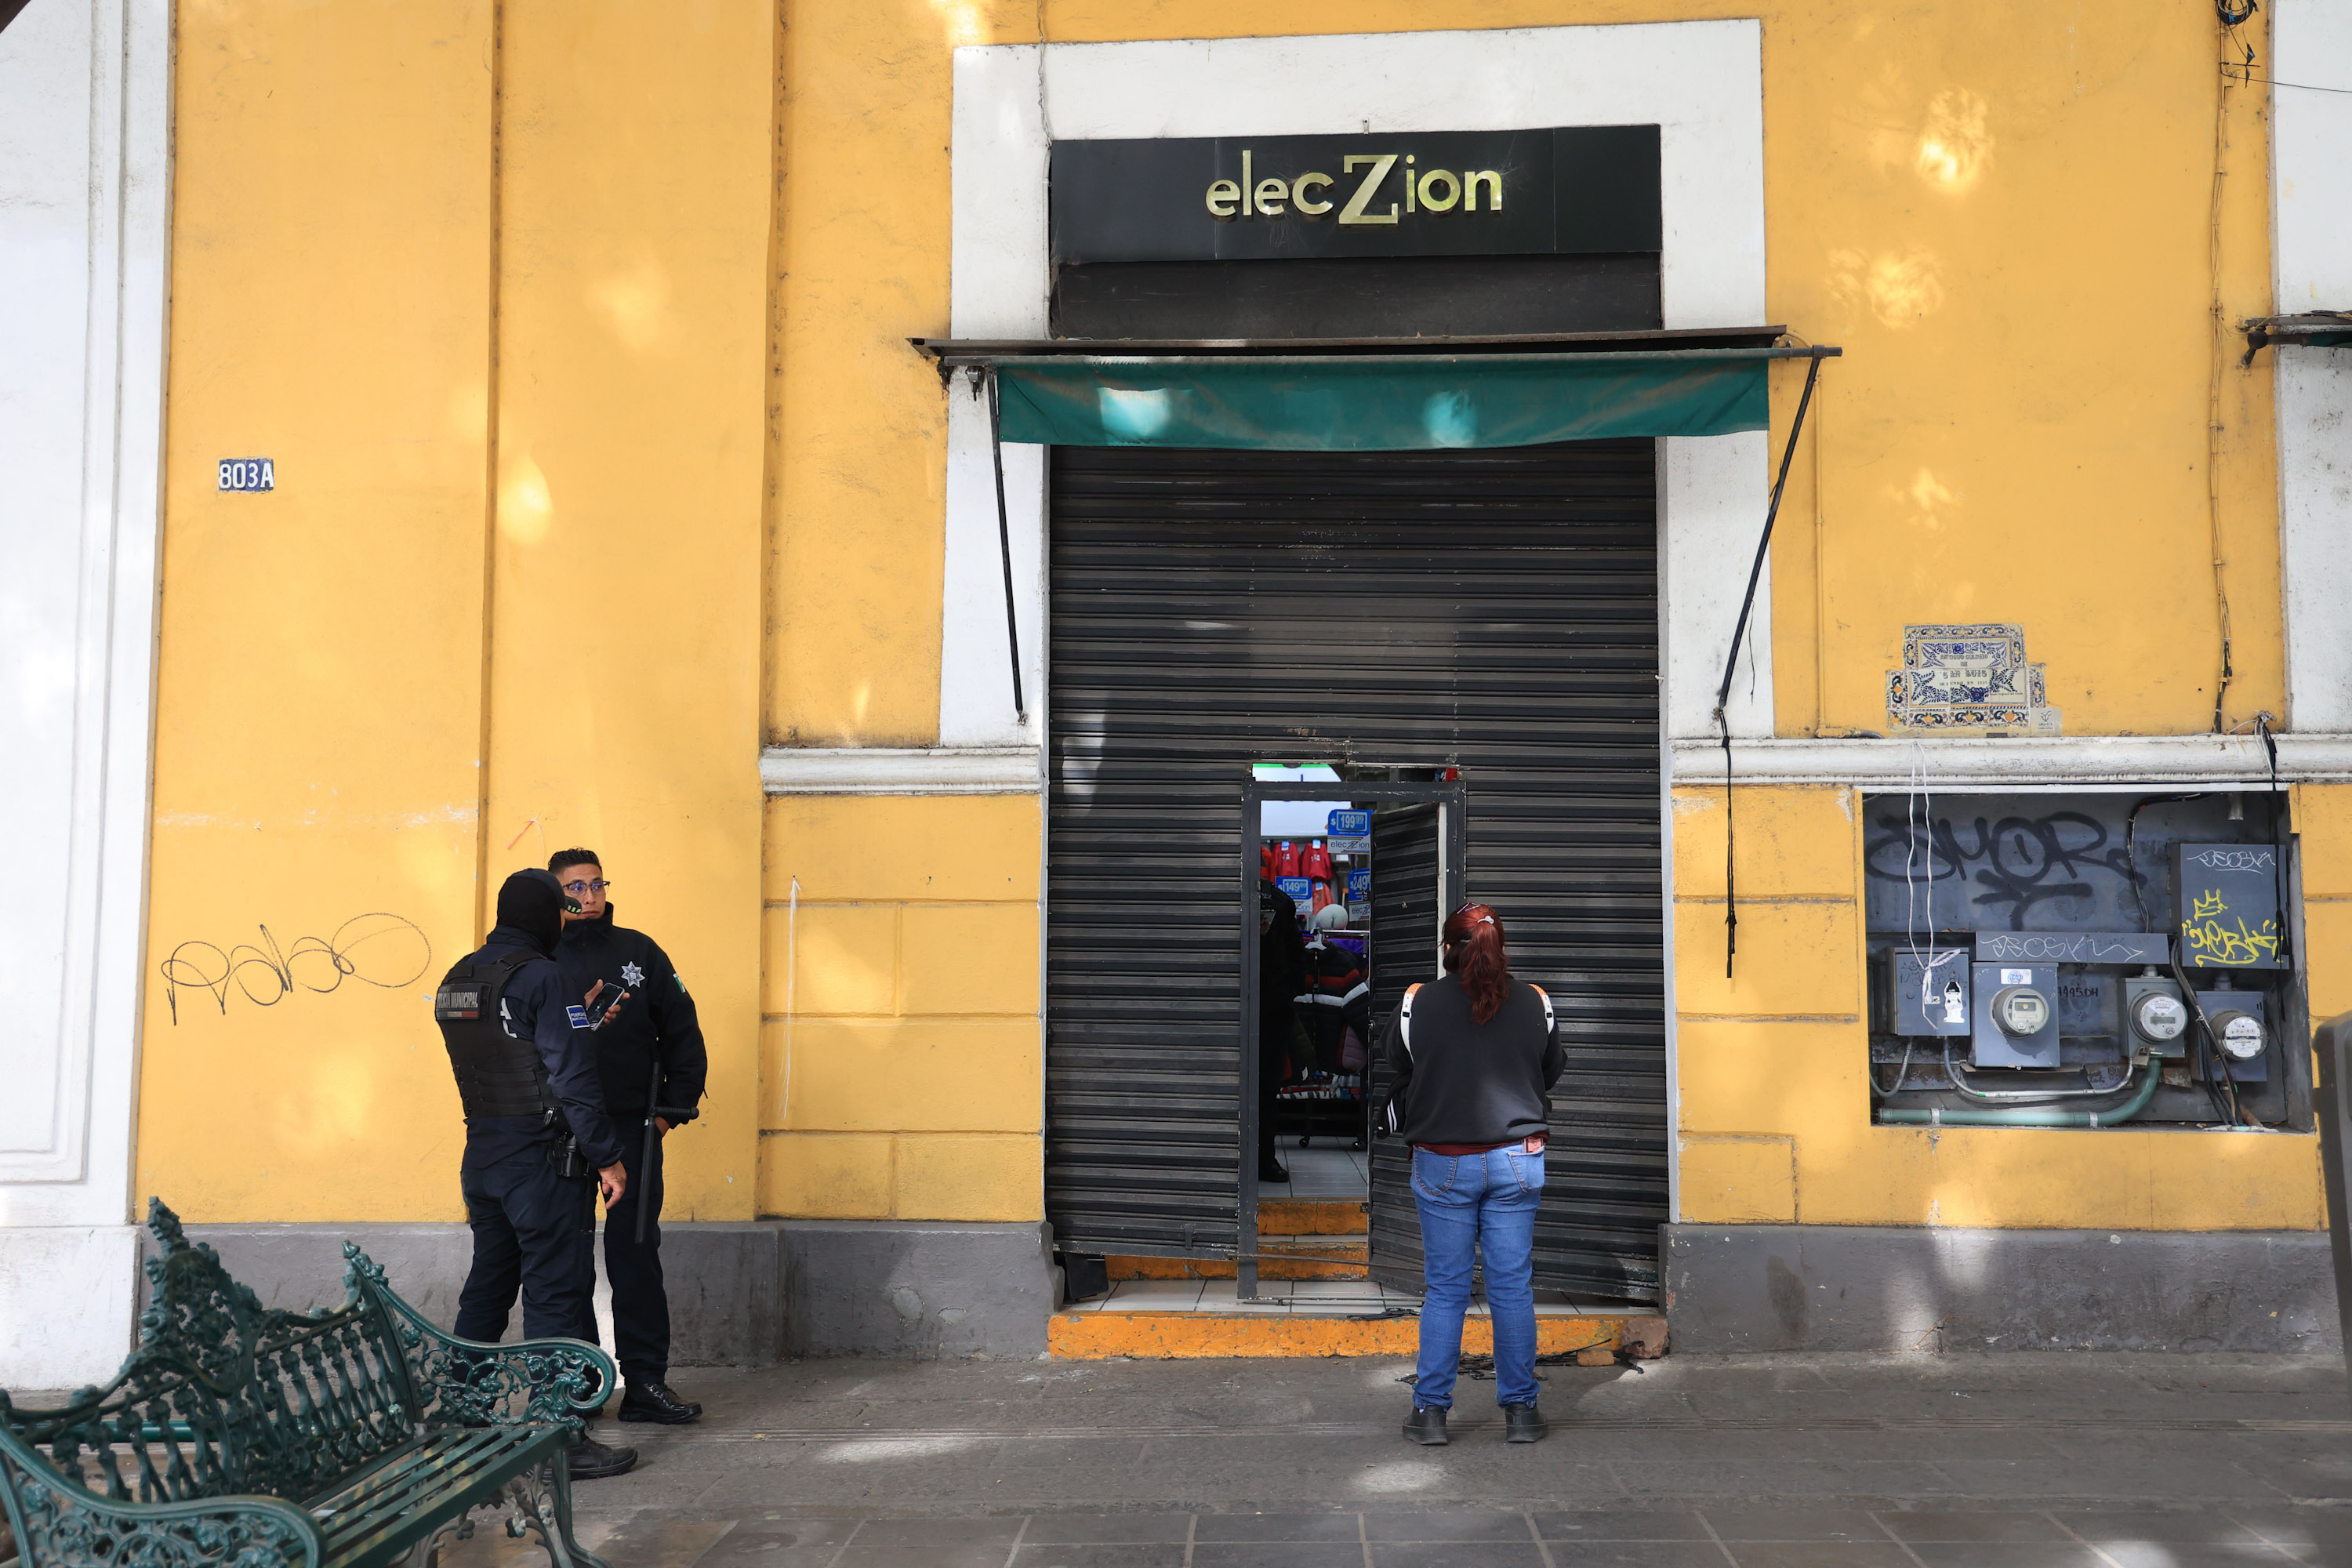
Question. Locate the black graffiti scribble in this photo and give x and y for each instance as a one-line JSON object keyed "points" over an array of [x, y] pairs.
{"points": [[372, 949], [2019, 861]]}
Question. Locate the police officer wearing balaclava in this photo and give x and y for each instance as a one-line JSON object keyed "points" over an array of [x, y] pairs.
{"points": [[539, 1142]]}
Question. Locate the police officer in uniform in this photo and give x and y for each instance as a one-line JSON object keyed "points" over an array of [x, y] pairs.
{"points": [[650, 1054], [539, 1141]]}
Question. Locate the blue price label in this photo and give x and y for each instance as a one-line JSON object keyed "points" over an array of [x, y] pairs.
{"points": [[248, 473]]}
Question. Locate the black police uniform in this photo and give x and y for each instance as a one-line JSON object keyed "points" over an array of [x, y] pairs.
{"points": [[655, 1022], [527, 1073]]}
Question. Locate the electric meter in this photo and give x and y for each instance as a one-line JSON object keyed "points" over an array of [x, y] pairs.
{"points": [[2240, 1038], [2022, 1011], [2159, 1017], [2015, 1015], [2239, 1034]]}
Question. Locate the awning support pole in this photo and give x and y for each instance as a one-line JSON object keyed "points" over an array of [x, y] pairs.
{"points": [[1004, 541], [1738, 632]]}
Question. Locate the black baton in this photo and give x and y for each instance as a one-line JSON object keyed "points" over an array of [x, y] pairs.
{"points": [[646, 1163]]}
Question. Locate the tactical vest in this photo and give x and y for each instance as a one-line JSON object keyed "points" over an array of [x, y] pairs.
{"points": [[497, 1075]]}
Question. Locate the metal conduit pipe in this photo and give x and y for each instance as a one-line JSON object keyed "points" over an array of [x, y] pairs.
{"points": [[2022, 1096], [2022, 1116]]}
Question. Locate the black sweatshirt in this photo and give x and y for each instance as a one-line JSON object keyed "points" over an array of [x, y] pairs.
{"points": [[1475, 1083], [657, 1019]]}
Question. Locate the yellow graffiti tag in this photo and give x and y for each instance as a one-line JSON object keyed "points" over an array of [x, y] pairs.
{"points": [[2211, 942]]}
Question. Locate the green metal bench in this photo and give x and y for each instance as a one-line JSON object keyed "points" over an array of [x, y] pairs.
{"points": [[240, 1437]]}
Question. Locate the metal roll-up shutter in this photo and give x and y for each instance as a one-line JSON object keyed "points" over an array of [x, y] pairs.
{"points": [[1493, 609]]}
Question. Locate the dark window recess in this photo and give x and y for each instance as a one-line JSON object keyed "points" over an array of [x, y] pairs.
{"points": [[1402, 296], [1496, 610]]}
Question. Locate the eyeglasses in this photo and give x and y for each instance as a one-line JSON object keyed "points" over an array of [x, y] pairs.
{"points": [[576, 889]]}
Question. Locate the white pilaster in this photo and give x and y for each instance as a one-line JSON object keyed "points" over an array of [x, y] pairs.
{"points": [[2311, 138], [85, 106]]}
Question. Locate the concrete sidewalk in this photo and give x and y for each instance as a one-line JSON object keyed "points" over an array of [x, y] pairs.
{"points": [[2021, 1460]]}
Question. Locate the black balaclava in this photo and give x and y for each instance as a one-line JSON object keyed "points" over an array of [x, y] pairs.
{"points": [[532, 902]]}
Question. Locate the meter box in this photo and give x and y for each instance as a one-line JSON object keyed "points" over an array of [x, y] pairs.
{"points": [[2242, 1035], [2016, 1016], [2228, 897], [1939, 1005], [2155, 1020]]}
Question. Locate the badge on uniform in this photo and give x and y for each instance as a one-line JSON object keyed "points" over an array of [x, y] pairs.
{"points": [[630, 975], [579, 1016]]}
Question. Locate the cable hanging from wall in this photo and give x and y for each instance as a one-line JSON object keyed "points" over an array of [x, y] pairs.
{"points": [[1731, 660]]}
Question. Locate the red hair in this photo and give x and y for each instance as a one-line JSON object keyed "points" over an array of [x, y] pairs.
{"points": [[1474, 953]]}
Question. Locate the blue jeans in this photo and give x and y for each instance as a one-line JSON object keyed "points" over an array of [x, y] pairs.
{"points": [[1485, 1202]]}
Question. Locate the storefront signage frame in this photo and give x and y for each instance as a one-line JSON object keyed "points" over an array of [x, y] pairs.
{"points": [[1558, 191]]}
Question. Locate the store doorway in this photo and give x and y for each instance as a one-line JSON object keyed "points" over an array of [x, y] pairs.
{"points": [[1352, 879], [1390, 614]]}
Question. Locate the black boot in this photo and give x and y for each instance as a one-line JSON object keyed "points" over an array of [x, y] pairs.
{"points": [[1524, 1424], [1426, 1426], [593, 1461], [653, 1401], [1270, 1169]]}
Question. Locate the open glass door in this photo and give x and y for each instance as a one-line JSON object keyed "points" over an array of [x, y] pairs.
{"points": [[1417, 852]]}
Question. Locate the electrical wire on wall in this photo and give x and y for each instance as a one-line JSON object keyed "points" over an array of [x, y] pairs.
{"points": [[2229, 18], [1918, 815]]}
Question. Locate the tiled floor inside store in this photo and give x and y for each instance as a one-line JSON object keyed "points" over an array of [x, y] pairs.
{"points": [[1320, 1172]]}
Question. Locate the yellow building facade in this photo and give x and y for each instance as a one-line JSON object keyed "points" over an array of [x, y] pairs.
{"points": [[613, 506]]}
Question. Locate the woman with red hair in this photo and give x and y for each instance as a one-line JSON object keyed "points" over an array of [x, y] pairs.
{"points": [[1482, 1052]]}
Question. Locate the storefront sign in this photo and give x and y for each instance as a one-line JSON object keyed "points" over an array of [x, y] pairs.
{"points": [[1575, 190]]}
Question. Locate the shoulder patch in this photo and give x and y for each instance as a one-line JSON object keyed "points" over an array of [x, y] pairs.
{"points": [[681, 981], [578, 1015]]}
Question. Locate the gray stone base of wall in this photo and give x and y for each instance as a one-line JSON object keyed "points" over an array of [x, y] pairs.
{"points": [[740, 1294], [916, 1289], [1865, 1287]]}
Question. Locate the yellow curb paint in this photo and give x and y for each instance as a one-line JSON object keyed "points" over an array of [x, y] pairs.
{"points": [[1296, 1216], [1185, 1336]]}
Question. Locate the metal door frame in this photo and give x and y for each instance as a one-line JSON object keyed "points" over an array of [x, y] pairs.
{"points": [[1453, 846]]}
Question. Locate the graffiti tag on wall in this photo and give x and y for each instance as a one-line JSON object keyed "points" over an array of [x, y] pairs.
{"points": [[385, 951], [2015, 863], [2214, 937]]}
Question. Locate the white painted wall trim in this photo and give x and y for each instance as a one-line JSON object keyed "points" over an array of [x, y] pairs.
{"points": [[85, 182], [877, 770], [1701, 82], [2311, 192], [2090, 760]]}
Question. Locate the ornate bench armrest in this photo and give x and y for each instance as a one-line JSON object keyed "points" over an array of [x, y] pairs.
{"points": [[467, 1383], [67, 1526]]}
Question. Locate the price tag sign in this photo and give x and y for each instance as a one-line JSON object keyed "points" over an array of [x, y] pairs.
{"points": [[1349, 833], [248, 473], [1301, 892]]}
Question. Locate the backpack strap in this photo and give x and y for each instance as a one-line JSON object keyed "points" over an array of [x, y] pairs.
{"points": [[1404, 1016], [1551, 1025]]}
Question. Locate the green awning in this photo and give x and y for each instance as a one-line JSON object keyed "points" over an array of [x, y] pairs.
{"points": [[1382, 403]]}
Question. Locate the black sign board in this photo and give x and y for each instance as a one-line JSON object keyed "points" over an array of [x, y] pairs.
{"points": [[2228, 899], [1576, 190]]}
